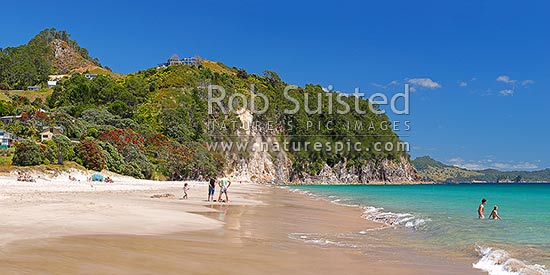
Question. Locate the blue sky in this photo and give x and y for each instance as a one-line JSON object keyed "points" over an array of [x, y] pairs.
{"points": [[481, 68]]}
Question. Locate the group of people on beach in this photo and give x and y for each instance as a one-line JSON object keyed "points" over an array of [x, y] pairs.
{"points": [[25, 177], [481, 211], [223, 184]]}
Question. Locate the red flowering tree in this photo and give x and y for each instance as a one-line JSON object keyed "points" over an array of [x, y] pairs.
{"points": [[35, 117], [89, 152], [121, 138]]}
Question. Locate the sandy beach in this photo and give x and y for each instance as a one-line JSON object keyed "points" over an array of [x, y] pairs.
{"points": [[57, 226]]}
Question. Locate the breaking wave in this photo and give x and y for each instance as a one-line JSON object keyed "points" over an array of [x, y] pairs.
{"points": [[498, 262], [407, 220]]}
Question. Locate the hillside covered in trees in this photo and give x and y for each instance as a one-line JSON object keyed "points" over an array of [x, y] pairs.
{"points": [[50, 52], [155, 123]]}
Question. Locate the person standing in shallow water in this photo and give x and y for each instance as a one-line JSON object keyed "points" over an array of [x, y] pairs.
{"points": [[481, 209], [494, 214], [211, 189]]}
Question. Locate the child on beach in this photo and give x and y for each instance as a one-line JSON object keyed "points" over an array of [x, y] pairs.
{"points": [[494, 214], [185, 190]]}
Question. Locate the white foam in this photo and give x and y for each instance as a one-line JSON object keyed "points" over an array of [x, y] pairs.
{"points": [[297, 190], [499, 262], [393, 219], [366, 231], [416, 223], [317, 239]]}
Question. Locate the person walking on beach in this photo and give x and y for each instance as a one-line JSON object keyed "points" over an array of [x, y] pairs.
{"points": [[211, 189], [224, 185], [481, 209], [494, 214]]}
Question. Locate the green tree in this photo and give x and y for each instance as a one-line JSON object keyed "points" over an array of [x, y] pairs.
{"points": [[137, 164], [114, 160], [51, 151], [65, 150], [6, 108], [28, 153]]}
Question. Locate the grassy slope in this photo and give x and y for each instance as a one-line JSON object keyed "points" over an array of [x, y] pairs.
{"points": [[434, 170], [96, 70], [450, 173], [31, 95], [218, 67]]}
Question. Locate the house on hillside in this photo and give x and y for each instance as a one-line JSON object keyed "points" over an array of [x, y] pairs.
{"points": [[175, 60], [192, 61], [52, 83], [90, 76], [56, 130], [34, 88], [5, 139], [47, 135], [9, 119]]}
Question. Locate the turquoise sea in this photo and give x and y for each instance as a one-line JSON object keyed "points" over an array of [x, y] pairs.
{"points": [[444, 217]]}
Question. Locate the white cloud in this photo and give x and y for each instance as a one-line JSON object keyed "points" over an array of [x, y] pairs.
{"points": [[506, 92], [506, 79], [425, 83], [490, 164], [527, 82], [385, 86], [517, 166], [463, 84], [473, 166], [456, 160], [461, 163], [412, 89]]}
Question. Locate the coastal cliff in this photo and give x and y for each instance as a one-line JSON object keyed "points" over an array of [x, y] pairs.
{"points": [[262, 167], [277, 167]]}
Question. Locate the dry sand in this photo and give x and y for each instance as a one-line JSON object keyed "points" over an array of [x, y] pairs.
{"points": [[53, 207], [60, 227]]}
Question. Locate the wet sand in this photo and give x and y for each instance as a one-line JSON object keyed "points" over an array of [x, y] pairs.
{"points": [[252, 238]]}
